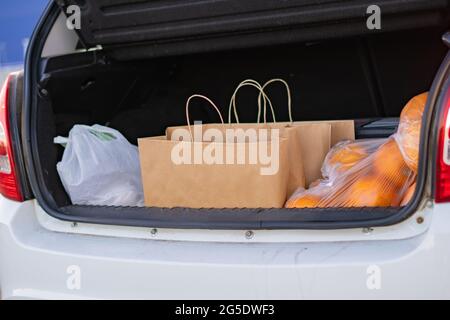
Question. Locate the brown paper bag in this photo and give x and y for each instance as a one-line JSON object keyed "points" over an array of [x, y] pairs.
{"points": [[199, 174], [200, 184]]}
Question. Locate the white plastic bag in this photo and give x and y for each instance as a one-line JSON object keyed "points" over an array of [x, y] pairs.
{"points": [[100, 167]]}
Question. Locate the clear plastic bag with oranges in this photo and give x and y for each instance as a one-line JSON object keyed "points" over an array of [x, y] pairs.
{"points": [[369, 173]]}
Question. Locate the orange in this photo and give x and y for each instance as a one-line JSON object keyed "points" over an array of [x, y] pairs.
{"points": [[345, 157], [388, 162], [304, 201], [348, 154], [413, 110], [370, 191], [408, 194], [408, 133]]}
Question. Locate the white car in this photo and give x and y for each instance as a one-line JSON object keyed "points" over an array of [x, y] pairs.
{"points": [[130, 65]]}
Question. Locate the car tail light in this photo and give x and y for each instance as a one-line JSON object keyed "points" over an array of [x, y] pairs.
{"points": [[442, 187], [9, 184]]}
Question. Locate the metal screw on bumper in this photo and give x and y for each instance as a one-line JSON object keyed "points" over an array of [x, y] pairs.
{"points": [[367, 230]]}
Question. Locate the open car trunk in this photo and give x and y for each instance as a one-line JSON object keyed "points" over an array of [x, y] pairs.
{"points": [[355, 74]]}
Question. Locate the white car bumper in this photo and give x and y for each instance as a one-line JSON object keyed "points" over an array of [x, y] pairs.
{"points": [[38, 263]]}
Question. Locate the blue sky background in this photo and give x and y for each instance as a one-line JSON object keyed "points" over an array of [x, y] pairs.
{"points": [[17, 21]]}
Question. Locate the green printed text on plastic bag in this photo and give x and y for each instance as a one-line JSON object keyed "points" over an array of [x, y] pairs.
{"points": [[104, 136]]}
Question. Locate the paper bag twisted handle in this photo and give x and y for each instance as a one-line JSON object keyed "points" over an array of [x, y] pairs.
{"points": [[255, 84], [288, 91], [187, 110]]}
